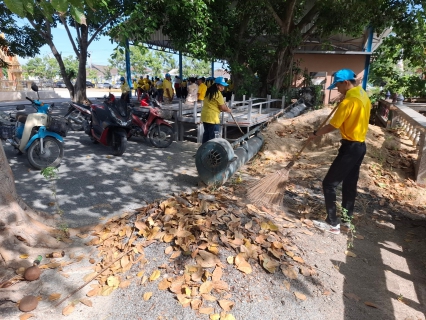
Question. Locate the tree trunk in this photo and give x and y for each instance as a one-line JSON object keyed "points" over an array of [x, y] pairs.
{"points": [[20, 227], [80, 83], [280, 72]]}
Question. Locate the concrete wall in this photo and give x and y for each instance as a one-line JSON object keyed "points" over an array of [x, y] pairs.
{"points": [[330, 63], [20, 95]]}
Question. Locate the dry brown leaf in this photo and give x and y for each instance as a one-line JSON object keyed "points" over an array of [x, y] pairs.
{"points": [[206, 287], [242, 264], [175, 254], [289, 272], [125, 284], [164, 284], [168, 250], [220, 285], [206, 259], [217, 274], [26, 316], [371, 304], [226, 305], [86, 302], [206, 310], [350, 254], [352, 296], [320, 251], [147, 296], [208, 297], [184, 301], [89, 276], [298, 259], [93, 292], [230, 259], [24, 256], [269, 264], [309, 233], [196, 304], [155, 275], [92, 261], [359, 237], [287, 285], [300, 295], [215, 316], [54, 296], [68, 309], [227, 317]]}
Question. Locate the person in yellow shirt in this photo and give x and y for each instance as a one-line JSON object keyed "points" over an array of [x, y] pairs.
{"points": [[351, 118], [202, 88], [168, 89], [140, 87], [125, 90], [212, 106]]}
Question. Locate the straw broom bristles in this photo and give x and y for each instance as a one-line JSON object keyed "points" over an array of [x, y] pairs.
{"points": [[270, 189]]}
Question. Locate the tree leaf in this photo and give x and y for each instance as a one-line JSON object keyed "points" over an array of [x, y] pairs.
{"points": [[155, 275], [60, 5], [168, 250], [54, 296], [164, 284], [370, 304], [86, 302], [289, 272], [226, 305], [78, 15], [68, 309], [217, 274], [300, 295], [26, 316], [196, 304], [350, 254], [113, 281], [242, 264], [206, 287], [147, 296], [16, 6], [24, 256], [206, 310]]}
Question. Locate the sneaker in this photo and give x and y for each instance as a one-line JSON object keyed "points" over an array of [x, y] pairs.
{"points": [[324, 226], [346, 224]]}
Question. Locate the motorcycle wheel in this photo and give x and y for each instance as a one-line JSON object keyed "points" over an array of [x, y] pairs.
{"points": [[74, 125], [161, 137], [119, 145], [53, 152]]}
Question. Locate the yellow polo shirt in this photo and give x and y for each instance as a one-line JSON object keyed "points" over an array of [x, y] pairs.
{"points": [[352, 115], [210, 111], [202, 88], [167, 85]]}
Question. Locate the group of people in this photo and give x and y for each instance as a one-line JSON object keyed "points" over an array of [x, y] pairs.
{"points": [[351, 119]]}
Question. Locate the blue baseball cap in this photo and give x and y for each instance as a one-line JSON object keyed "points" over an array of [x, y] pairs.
{"points": [[219, 80], [167, 75], [342, 75]]}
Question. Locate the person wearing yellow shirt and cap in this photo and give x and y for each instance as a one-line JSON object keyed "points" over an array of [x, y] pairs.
{"points": [[125, 90], [213, 105], [168, 89], [351, 118], [202, 89], [140, 87]]}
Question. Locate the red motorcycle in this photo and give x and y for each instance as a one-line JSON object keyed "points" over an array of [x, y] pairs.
{"points": [[148, 121]]}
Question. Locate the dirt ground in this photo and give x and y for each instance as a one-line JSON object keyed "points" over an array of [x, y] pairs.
{"points": [[213, 255]]}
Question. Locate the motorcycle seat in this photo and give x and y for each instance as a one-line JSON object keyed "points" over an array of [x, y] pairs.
{"points": [[141, 112], [21, 117], [82, 105]]}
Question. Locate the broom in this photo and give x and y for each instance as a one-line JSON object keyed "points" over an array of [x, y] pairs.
{"points": [[270, 189]]}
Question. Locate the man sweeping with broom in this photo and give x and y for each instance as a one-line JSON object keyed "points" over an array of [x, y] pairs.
{"points": [[351, 118]]}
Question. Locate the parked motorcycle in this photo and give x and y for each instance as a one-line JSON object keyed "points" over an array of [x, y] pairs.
{"points": [[109, 124], [149, 122], [38, 134], [76, 114]]}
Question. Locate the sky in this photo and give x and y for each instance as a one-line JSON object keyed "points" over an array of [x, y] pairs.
{"points": [[99, 50]]}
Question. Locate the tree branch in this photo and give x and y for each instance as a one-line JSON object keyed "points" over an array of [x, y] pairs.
{"points": [[308, 17], [100, 29], [289, 14], [61, 17], [275, 15]]}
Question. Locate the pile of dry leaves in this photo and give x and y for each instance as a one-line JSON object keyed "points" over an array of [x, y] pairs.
{"points": [[200, 229]]}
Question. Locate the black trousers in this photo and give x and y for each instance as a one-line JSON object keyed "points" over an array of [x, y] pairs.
{"points": [[209, 129], [344, 169]]}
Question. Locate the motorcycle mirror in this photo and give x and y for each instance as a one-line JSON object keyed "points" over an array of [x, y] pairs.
{"points": [[20, 107], [34, 87]]}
